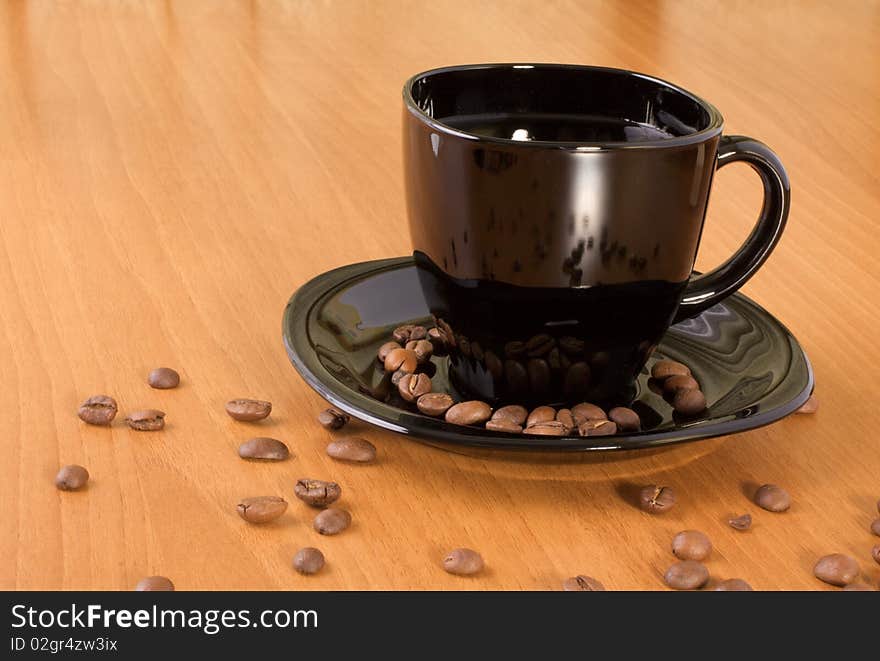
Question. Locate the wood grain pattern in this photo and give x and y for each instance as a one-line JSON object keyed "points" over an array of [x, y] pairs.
{"points": [[171, 171]]}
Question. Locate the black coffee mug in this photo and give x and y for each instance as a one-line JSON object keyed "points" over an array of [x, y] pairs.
{"points": [[555, 214]]}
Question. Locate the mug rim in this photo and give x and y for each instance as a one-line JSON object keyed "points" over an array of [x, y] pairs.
{"points": [[716, 121]]}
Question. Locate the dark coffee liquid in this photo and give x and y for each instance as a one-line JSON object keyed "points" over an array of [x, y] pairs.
{"points": [[512, 345], [555, 127]]}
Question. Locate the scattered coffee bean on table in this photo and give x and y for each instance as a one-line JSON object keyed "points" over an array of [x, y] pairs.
{"points": [[686, 575], [463, 562], [597, 428], [333, 418], [413, 386], [656, 500], [625, 418], [875, 526], [810, 406], [691, 545], [265, 448], [385, 349], [472, 412], [261, 509], [689, 402], [663, 369], [332, 521], [504, 425], [163, 378], [402, 360], [248, 410], [733, 585], [837, 569], [582, 583], [772, 498], [98, 410], [512, 413], [434, 404], [353, 448], [743, 522], [875, 553], [858, 587], [541, 414], [154, 584], [146, 420], [317, 493], [308, 560], [71, 478]]}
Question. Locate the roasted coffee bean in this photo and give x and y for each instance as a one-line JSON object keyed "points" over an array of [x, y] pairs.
{"points": [[691, 545], [98, 410], [418, 333], [743, 522], [586, 411], [435, 403], [448, 332], [494, 365], [154, 584], [422, 349], [541, 414], [576, 381], [772, 498], [875, 553], [146, 420], [680, 382], [539, 376], [248, 410], [733, 585], [473, 412], [512, 413], [333, 418], [539, 345], [261, 509], [875, 527], [597, 428], [549, 428], [504, 425], [686, 575], [317, 493], [332, 521], [689, 402], [656, 499], [407, 332], [582, 583], [71, 478], [572, 346], [810, 406], [566, 418], [463, 562], [663, 369], [263, 447], [401, 359], [516, 376], [514, 349], [625, 418], [396, 377], [163, 378], [413, 386], [438, 338], [308, 560], [837, 569], [385, 349], [354, 449]]}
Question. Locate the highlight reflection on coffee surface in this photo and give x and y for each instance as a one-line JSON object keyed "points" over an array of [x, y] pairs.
{"points": [[555, 214]]}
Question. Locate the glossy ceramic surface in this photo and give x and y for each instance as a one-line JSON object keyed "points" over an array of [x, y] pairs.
{"points": [[752, 370]]}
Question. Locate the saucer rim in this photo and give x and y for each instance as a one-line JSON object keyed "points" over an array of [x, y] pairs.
{"points": [[431, 430]]}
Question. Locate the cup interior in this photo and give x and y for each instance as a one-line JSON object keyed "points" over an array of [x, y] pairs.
{"points": [[558, 103]]}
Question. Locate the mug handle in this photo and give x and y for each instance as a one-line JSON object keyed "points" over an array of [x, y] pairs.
{"points": [[704, 291]]}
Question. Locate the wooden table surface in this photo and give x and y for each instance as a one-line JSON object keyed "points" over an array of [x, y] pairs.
{"points": [[170, 172]]}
